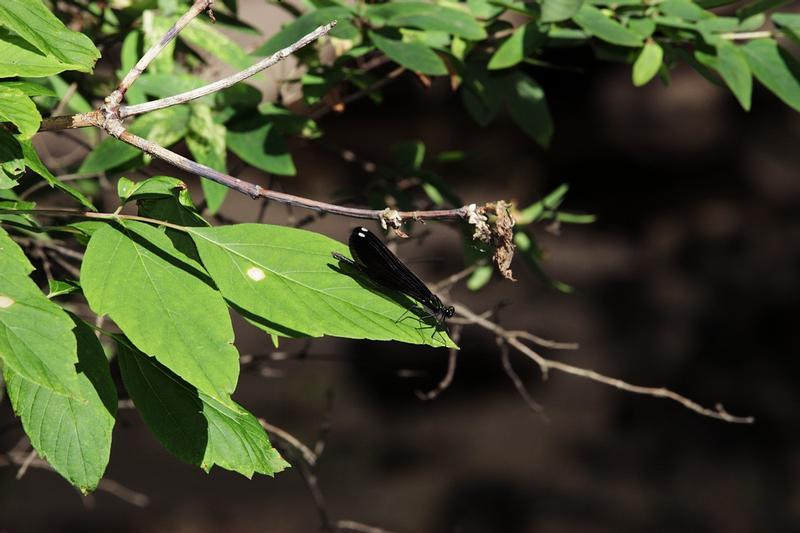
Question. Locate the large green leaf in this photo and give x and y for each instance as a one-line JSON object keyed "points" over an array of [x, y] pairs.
{"points": [[165, 127], [257, 142], [36, 340], [647, 64], [776, 69], [206, 142], [154, 293], [194, 426], [558, 10], [733, 67], [288, 278], [33, 162], [18, 108], [520, 44], [595, 22], [18, 58], [34, 22], [528, 108], [73, 435], [426, 16], [413, 55]]}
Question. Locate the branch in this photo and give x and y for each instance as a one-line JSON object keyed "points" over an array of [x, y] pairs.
{"points": [[545, 365], [224, 83]]}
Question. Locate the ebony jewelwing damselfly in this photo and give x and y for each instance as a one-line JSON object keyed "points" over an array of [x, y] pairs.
{"points": [[373, 259]]}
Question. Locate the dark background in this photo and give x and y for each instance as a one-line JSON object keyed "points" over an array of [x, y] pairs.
{"points": [[689, 279]]}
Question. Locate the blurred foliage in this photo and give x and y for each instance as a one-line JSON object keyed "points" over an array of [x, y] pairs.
{"points": [[170, 289]]}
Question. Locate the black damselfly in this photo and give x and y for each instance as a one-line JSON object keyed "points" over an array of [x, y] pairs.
{"points": [[379, 264]]}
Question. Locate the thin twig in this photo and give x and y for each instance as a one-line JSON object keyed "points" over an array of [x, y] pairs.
{"points": [[26, 463], [307, 455], [746, 35], [545, 365], [517, 381], [224, 83], [110, 486], [452, 358], [349, 99]]}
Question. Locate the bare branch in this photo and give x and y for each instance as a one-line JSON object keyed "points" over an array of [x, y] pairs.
{"points": [[224, 83], [545, 365]]}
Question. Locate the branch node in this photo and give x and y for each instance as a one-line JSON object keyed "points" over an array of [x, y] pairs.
{"points": [[390, 217]]}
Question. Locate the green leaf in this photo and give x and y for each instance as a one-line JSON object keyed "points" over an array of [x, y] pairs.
{"points": [[528, 108], [12, 161], [426, 16], [595, 22], [194, 426], [520, 44], [18, 108], [304, 25], [73, 435], [733, 67], [683, 9], [33, 162], [153, 293], [648, 63], [62, 287], [129, 56], [155, 187], [206, 142], [413, 55], [288, 123], [537, 210], [558, 10], [257, 142], [644, 28], [408, 155], [203, 35], [775, 68], [34, 23], [165, 126], [163, 85], [287, 277], [482, 94], [36, 340], [29, 88], [789, 23], [478, 279], [528, 249]]}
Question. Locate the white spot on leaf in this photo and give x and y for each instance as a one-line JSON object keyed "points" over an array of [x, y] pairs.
{"points": [[6, 302], [256, 274]]}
